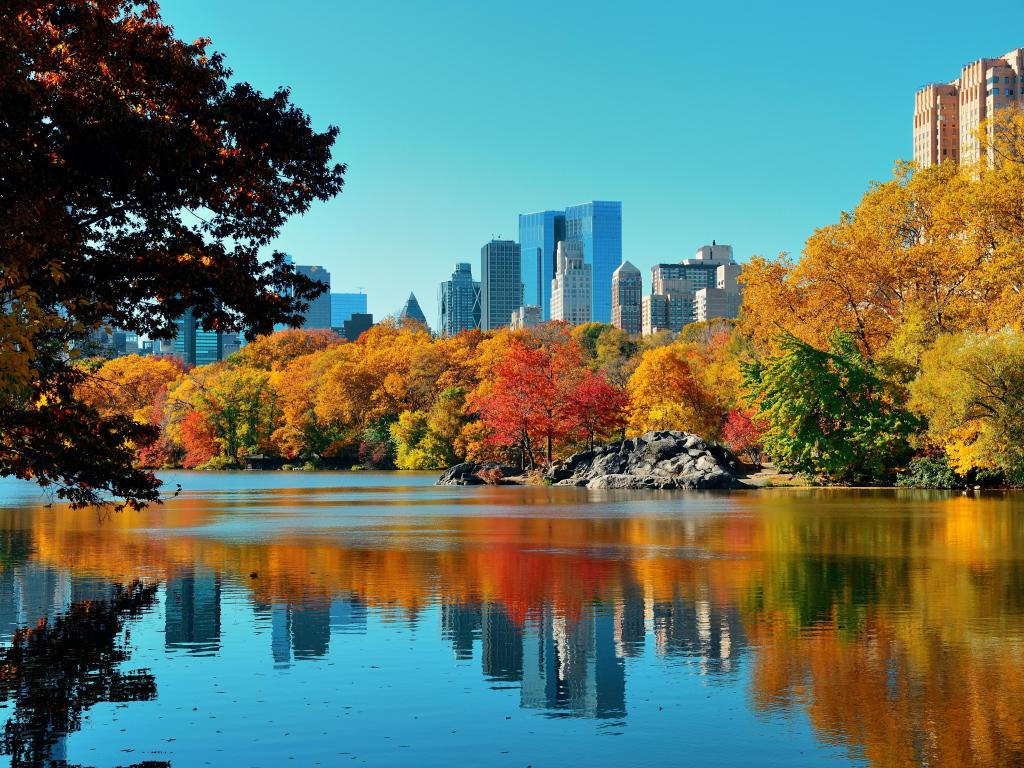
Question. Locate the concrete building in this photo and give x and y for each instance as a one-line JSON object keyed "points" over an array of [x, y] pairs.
{"points": [[343, 306], [458, 302], [947, 115], [674, 303], [572, 286], [501, 285], [528, 316], [319, 313], [539, 234], [627, 298]]}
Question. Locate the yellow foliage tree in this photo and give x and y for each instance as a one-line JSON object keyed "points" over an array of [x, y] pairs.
{"points": [[665, 393]]}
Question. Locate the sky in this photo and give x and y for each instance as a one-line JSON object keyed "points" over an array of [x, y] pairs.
{"points": [[749, 123]]}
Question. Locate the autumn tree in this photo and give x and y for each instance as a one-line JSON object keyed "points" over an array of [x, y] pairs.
{"points": [[138, 179], [595, 409], [666, 393], [971, 391], [128, 385], [276, 350]]}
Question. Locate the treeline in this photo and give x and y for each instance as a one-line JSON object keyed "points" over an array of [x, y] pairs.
{"points": [[398, 397], [891, 349]]}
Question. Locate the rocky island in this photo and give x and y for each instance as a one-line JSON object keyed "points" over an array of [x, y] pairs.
{"points": [[655, 460]]}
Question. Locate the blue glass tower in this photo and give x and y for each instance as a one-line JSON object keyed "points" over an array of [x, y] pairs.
{"points": [[598, 224], [539, 234]]}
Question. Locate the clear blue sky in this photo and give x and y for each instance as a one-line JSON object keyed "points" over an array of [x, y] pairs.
{"points": [[749, 123]]}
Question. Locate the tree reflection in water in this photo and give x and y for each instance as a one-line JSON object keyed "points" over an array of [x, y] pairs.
{"points": [[60, 668]]}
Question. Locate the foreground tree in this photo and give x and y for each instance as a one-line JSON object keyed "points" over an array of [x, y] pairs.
{"points": [[829, 414], [136, 182]]}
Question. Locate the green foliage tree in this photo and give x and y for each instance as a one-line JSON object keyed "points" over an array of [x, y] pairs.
{"points": [[828, 413]]}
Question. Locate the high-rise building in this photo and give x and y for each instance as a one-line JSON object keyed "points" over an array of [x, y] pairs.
{"points": [[527, 316], [947, 115], [627, 298], [344, 305], [598, 225], [458, 302], [936, 117], [195, 346], [673, 302], [501, 285], [539, 234], [412, 311], [319, 313], [572, 286]]}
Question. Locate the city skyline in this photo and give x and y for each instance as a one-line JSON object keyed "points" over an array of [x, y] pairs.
{"points": [[684, 176]]}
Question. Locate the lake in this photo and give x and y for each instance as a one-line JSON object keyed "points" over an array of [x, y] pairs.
{"points": [[375, 619]]}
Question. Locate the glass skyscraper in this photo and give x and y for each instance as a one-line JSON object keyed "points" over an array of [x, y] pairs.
{"points": [[539, 234], [458, 302], [598, 224], [344, 305]]}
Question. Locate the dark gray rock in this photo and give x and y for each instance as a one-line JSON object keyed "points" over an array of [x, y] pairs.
{"points": [[657, 460], [468, 473]]}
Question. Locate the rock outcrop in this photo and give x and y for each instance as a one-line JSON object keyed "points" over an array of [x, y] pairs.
{"points": [[658, 460], [471, 473]]}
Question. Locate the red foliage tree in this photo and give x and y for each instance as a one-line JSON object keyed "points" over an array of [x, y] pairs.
{"points": [[197, 439], [742, 433], [594, 409]]}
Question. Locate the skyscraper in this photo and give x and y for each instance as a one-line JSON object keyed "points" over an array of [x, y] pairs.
{"points": [[319, 313], [598, 225], [501, 286], [195, 346], [947, 115], [571, 287], [627, 298], [458, 302], [412, 311], [344, 305], [539, 234]]}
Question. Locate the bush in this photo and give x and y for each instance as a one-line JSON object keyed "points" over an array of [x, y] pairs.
{"points": [[931, 471]]}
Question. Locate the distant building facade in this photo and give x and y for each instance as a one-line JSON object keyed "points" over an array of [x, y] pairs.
{"points": [[195, 346], [527, 316], [674, 302], [344, 305], [572, 286], [598, 225], [458, 302], [501, 285], [947, 115], [539, 234], [357, 325], [627, 299], [319, 313], [412, 311]]}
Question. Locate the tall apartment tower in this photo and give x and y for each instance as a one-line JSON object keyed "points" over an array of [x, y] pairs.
{"points": [[598, 225], [539, 234], [195, 346], [572, 287], [627, 298], [501, 285], [411, 311], [947, 115], [458, 302]]}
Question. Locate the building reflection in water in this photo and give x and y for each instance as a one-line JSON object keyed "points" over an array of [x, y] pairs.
{"points": [[192, 612]]}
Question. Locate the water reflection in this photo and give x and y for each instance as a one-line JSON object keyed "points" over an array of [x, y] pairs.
{"points": [[893, 622]]}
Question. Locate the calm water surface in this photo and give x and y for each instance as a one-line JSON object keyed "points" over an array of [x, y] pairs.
{"points": [[374, 619]]}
